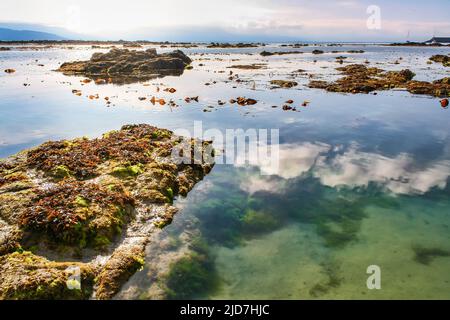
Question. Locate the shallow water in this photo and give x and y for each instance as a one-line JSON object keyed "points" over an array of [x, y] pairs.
{"points": [[363, 179]]}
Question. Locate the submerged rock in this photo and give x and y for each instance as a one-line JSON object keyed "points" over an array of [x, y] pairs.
{"points": [[127, 66], [74, 200], [359, 78]]}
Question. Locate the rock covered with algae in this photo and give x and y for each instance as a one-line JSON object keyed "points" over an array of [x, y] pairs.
{"points": [[127, 66], [95, 202], [358, 78]]}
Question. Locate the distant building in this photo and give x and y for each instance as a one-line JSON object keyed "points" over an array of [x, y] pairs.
{"points": [[441, 40]]}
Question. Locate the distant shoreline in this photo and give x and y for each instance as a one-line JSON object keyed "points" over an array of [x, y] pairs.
{"points": [[212, 44]]}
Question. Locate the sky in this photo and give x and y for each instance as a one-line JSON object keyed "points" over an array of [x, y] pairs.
{"points": [[235, 20]]}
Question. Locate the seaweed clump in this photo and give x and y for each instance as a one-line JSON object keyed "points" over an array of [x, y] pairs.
{"points": [[426, 255], [359, 78], [440, 58], [81, 157], [78, 213], [193, 275]]}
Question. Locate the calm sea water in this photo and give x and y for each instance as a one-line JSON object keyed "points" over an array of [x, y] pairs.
{"points": [[363, 179]]}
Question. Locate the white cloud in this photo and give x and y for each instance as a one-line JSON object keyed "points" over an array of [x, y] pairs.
{"points": [[354, 168]]}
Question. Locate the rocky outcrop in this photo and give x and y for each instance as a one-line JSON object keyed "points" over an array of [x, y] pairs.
{"points": [[359, 78], [95, 202], [284, 83], [233, 45], [440, 58], [278, 53], [127, 66]]}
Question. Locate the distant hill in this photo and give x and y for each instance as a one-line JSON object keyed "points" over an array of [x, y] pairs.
{"points": [[26, 35]]}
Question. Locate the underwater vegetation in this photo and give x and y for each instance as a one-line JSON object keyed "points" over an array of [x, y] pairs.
{"points": [[331, 270], [193, 275], [240, 216], [427, 255]]}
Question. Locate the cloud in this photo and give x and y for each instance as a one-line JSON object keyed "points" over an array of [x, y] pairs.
{"points": [[338, 167], [398, 175], [331, 20]]}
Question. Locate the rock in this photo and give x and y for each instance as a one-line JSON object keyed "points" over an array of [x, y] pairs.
{"points": [[445, 60], [235, 45], [5, 49], [242, 101], [438, 88], [79, 198], [284, 83], [26, 276], [279, 53], [318, 52], [125, 66], [444, 103], [361, 79], [10, 70], [189, 99], [254, 66]]}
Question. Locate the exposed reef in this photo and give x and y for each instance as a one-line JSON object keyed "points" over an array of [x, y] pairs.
{"points": [[279, 53], [128, 66], [359, 78], [440, 58], [95, 202], [284, 83], [233, 45]]}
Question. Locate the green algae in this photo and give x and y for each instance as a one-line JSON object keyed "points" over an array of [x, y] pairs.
{"points": [[26, 276], [61, 172], [193, 275], [425, 256], [128, 171]]}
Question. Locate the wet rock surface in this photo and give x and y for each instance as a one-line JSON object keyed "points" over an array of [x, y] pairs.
{"points": [[90, 204], [128, 66], [284, 83], [278, 53], [359, 78], [440, 58]]}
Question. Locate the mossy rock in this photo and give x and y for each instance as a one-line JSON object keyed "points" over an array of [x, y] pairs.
{"points": [[26, 276], [78, 213]]}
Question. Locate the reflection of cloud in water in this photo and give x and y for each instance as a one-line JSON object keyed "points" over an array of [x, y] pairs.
{"points": [[351, 168], [354, 168], [294, 160], [257, 183]]}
